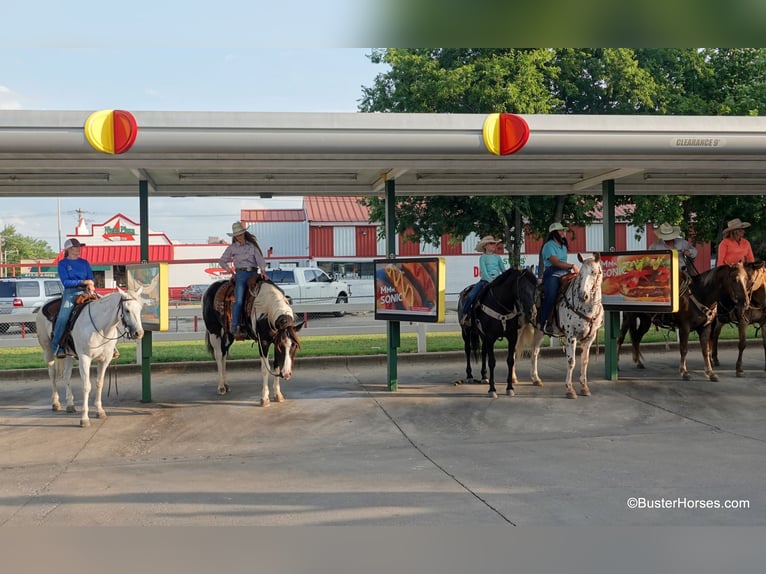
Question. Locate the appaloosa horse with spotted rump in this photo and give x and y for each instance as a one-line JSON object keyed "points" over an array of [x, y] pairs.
{"points": [[270, 322], [578, 315]]}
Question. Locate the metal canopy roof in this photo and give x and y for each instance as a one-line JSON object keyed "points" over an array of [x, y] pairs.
{"points": [[46, 153]]}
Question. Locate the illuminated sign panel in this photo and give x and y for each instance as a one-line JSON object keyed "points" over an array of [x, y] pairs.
{"points": [[410, 289], [640, 280]]}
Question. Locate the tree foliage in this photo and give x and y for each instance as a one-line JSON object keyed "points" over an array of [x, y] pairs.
{"points": [[679, 81], [16, 247]]}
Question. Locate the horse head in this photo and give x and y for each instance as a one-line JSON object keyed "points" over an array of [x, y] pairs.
{"points": [[590, 278], [734, 284], [130, 306], [284, 336]]}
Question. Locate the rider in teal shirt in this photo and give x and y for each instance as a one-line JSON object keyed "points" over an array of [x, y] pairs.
{"points": [[490, 266], [554, 256]]}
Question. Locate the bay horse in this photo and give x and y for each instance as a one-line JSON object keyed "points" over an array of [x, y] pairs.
{"points": [[730, 313], [698, 306], [505, 305], [271, 321], [578, 315], [96, 328]]}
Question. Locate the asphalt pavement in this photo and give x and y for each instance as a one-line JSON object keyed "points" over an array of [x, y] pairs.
{"points": [[648, 449]]}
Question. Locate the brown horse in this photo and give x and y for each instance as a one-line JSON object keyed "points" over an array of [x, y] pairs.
{"points": [[729, 313], [697, 310]]}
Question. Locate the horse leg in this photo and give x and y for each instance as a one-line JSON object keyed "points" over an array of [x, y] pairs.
{"points": [[85, 376], [66, 376], [704, 335], [714, 343], [265, 400], [584, 360], [489, 353], [53, 368], [220, 360], [536, 343], [571, 348], [763, 339], [510, 361], [467, 349], [683, 348], [641, 327], [739, 370], [101, 371]]}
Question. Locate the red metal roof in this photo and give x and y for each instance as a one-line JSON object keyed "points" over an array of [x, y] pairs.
{"points": [[122, 254], [335, 209], [270, 215]]}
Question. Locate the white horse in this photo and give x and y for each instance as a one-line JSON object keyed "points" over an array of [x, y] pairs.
{"points": [[271, 322], [94, 337], [578, 316]]}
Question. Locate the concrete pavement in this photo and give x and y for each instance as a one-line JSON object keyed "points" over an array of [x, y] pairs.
{"points": [[343, 450]]}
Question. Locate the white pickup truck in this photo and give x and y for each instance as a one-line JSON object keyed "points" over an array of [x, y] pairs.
{"points": [[311, 285]]}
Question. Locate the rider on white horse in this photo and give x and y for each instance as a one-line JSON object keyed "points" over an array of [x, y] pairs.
{"points": [[77, 277]]}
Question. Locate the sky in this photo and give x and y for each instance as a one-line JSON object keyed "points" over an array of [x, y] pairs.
{"points": [[158, 57]]}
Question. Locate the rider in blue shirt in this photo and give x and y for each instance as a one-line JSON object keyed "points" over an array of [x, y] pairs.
{"points": [[77, 277], [554, 256]]}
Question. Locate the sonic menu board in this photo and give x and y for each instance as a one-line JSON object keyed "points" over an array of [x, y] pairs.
{"points": [[410, 289], [640, 281]]}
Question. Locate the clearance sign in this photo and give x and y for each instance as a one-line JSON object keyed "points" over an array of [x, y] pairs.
{"points": [[111, 131]]}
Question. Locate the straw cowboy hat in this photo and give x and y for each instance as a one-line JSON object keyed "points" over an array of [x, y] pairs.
{"points": [[236, 229], [487, 239], [666, 232], [556, 227], [736, 224]]}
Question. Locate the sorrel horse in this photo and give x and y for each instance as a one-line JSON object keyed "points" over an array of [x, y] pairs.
{"points": [[94, 335], [729, 312], [270, 322], [578, 315], [698, 306], [500, 310]]}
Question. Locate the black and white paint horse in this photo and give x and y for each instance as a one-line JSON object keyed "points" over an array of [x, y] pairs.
{"points": [[578, 316], [94, 335], [271, 321], [504, 306]]}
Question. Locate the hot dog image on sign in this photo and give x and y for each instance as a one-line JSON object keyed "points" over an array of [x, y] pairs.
{"points": [[407, 287]]}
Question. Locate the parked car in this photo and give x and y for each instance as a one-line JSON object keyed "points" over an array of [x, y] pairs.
{"points": [[311, 285], [193, 292], [24, 295]]}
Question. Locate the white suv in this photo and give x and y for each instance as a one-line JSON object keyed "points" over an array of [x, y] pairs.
{"points": [[26, 295]]}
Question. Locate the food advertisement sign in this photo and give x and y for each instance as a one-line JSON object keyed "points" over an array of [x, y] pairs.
{"points": [[152, 278], [410, 289], [640, 281]]}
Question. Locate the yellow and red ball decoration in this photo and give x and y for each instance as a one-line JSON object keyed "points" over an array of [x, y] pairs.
{"points": [[505, 134], [111, 131]]}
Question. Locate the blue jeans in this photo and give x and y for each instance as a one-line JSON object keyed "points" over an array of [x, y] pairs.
{"points": [[67, 304], [240, 288], [551, 281], [469, 299]]}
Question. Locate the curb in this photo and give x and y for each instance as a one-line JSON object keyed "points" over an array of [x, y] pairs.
{"points": [[348, 361]]}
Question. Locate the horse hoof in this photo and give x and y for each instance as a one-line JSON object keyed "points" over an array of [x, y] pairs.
{"points": [[640, 366], [571, 395], [740, 373], [485, 381], [101, 415], [56, 407], [279, 399], [537, 383], [714, 378], [492, 395], [84, 423], [510, 393], [71, 409], [585, 392], [265, 402], [222, 390], [686, 377]]}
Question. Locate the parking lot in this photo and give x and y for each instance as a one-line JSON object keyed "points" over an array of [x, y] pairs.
{"points": [[648, 449]]}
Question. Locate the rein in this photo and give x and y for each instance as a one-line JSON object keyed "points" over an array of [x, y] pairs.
{"points": [[122, 320], [503, 318]]}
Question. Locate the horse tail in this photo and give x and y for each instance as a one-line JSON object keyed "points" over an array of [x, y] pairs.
{"points": [[475, 343], [208, 345], [526, 339]]}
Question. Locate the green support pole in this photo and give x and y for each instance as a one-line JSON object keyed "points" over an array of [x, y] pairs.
{"points": [[392, 327], [146, 342], [611, 318]]}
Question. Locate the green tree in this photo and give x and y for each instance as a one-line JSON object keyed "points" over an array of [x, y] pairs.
{"points": [[16, 247]]}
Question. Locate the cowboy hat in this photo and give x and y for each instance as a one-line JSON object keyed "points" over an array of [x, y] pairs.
{"points": [[736, 224], [236, 229], [72, 243], [666, 232], [556, 226], [487, 239]]}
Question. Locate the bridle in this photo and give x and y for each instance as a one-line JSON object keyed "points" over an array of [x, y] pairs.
{"points": [[572, 304]]}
